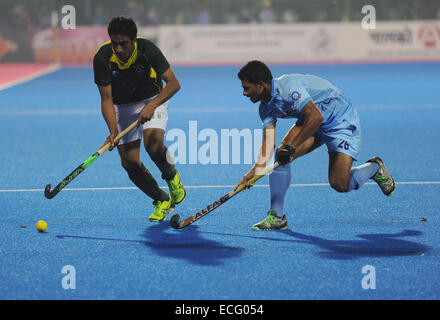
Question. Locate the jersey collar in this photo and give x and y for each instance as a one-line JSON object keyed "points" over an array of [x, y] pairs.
{"points": [[275, 92], [125, 65]]}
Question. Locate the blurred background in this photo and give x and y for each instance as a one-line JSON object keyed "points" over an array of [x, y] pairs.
{"points": [[37, 13], [227, 31]]}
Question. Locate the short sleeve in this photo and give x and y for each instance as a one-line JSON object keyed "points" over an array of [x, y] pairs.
{"points": [[101, 71], [266, 117], [158, 61]]}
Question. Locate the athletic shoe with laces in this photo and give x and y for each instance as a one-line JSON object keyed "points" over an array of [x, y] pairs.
{"points": [[272, 222], [177, 191], [383, 177], [161, 209]]}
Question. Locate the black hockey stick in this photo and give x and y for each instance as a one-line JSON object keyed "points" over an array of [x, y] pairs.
{"points": [[52, 193], [176, 224]]}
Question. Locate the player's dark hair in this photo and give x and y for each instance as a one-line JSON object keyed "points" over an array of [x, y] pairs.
{"points": [[123, 26], [254, 72]]}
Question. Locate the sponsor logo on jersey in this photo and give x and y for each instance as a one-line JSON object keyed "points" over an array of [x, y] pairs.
{"points": [[295, 95]]}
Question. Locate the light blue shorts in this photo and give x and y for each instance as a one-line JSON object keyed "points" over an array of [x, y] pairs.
{"points": [[343, 133], [349, 145]]}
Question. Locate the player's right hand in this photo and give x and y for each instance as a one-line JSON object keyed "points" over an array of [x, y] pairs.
{"points": [[111, 139]]}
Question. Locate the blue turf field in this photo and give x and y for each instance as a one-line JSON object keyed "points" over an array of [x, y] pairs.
{"points": [[51, 124]]}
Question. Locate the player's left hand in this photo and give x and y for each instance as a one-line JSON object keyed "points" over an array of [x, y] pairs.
{"points": [[244, 180], [146, 114]]}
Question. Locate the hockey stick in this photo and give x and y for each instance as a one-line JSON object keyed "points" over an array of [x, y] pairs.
{"points": [[52, 193], [176, 224]]}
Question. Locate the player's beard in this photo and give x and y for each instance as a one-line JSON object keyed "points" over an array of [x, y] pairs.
{"points": [[254, 99], [124, 56], [264, 96]]}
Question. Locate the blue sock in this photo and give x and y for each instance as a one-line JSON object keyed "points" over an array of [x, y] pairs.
{"points": [[279, 181], [361, 174]]}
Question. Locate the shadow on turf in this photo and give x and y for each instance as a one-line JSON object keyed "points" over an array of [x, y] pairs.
{"points": [[186, 244], [370, 245]]}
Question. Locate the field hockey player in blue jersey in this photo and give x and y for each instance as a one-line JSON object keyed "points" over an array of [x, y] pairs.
{"points": [[324, 116]]}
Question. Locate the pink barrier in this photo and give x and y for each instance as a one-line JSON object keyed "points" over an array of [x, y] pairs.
{"points": [[16, 73], [68, 46]]}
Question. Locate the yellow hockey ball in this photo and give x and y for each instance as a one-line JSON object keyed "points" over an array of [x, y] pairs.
{"points": [[41, 226]]}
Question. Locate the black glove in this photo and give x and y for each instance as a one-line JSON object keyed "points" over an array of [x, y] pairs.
{"points": [[285, 154]]}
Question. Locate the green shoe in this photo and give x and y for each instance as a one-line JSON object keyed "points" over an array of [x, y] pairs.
{"points": [[383, 177], [272, 222], [161, 209], [177, 191]]}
